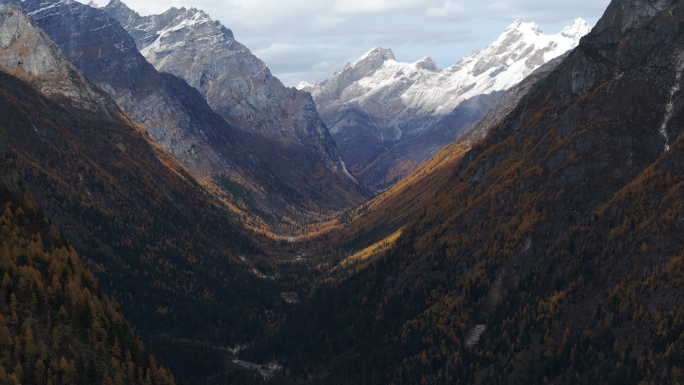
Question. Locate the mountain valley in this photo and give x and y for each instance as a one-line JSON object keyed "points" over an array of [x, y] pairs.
{"points": [[173, 214]]}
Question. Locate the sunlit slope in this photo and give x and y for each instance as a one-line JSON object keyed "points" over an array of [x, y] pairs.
{"points": [[395, 207], [550, 254]]}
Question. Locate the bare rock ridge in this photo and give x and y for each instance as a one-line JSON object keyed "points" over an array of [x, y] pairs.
{"points": [[623, 15], [238, 85], [280, 124], [27, 52], [245, 168], [387, 117], [105, 53]]}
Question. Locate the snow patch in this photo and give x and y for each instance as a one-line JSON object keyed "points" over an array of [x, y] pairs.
{"points": [[158, 45], [669, 108], [474, 336], [53, 5]]}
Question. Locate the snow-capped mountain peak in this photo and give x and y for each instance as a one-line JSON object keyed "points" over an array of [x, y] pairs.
{"points": [[376, 56], [520, 25], [518, 51], [577, 29], [304, 85], [427, 64], [396, 101]]}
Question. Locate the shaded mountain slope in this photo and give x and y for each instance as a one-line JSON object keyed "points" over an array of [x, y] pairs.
{"points": [[158, 241], [551, 254], [56, 326]]}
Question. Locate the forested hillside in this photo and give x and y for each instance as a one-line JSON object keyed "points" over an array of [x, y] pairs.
{"points": [[551, 253], [56, 325], [158, 241]]}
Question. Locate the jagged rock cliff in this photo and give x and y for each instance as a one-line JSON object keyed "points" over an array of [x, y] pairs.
{"points": [[280, 124], [105, 53], [27, 52], [387, 117], [624, 15], [235, 83], [247, 170]]}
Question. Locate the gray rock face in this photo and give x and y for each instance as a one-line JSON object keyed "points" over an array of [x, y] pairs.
{"points": [[239, 87], [622, 15], [177, 117], [28, 53], [105, 53]]}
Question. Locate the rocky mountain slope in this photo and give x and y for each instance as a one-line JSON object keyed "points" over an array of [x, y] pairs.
{"points": [[159, 242], [550, 253], [281, 125], [388, 117], [179, 119]]}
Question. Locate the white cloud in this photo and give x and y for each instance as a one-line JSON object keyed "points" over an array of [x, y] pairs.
{"points": [[374, 6], [449, 9]]}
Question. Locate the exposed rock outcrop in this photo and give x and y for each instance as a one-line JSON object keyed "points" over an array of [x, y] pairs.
{"points": [[177, 117], [279, 124], [28, 53], [105, 53]]}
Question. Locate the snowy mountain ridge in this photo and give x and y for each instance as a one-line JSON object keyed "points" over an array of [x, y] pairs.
{"points": [[398, 101], [521, 49]]}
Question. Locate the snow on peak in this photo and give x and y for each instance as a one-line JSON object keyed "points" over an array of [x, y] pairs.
{"points": [[303, 86], [167, 40], [427, 64], [376, 54], [520, 25], [376, 76], [577, 29]]}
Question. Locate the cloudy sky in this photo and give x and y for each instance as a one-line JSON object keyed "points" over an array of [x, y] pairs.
{"points": [[311, 39]]}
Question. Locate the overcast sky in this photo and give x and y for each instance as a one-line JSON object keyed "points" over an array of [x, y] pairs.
{"points": [[311, 39]]}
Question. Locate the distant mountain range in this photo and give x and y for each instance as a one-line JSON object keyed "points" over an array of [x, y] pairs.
{"points": [[388, 117]]}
